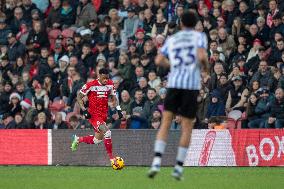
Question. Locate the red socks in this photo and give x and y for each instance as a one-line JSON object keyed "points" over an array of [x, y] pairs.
{"points": [[90, 140], [108, 146], [87, 139]]}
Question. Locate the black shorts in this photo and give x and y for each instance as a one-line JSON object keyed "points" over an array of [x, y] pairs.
{"points": [[182, 102]]}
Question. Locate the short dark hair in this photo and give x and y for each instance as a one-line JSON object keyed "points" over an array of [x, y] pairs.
{"points": [[189, 19], [104, 71]]}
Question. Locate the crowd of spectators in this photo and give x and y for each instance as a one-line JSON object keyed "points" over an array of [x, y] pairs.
{"points": [[50, 48]]}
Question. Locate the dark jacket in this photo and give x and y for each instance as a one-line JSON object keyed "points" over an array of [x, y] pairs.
{"points": [[16, 50], [53, 17], [67, 17], [277, 108], [136, 122], [3, 35], [215, 109]]}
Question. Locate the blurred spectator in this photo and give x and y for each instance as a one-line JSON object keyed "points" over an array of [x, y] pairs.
{"points": [[216, 107], [138, 100], [176, 123], [125, 103], [8, 121], [14, 104], [4, 31], [276, 117], [237, 95], [261, 109], [5, 97], [20, 122], [85, 13], [264, 76], [15, 48], [151, 102], [137, 120], [41, 121], [67, 14], [58, 122]]}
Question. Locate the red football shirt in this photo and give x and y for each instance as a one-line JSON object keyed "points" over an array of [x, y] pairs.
{"points": [[98, 95]]}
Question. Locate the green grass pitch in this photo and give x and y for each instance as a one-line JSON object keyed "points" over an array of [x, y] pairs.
{"points": [[69, 177]]}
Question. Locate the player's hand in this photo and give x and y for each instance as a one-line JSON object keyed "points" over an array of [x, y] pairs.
{"points": [[86, 114], [119, 112]]}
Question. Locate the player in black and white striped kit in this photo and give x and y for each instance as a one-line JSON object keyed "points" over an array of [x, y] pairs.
{"points": [[186, 54]]}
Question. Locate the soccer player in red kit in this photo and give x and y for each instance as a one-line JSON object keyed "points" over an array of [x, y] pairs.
{"points": [[98, 92]]}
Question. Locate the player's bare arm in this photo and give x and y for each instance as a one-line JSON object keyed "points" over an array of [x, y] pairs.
{"points": [[80, 97], [203, 59], [162, 61]]}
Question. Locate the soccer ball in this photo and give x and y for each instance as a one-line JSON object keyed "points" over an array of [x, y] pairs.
{"points": [[119, 163]]}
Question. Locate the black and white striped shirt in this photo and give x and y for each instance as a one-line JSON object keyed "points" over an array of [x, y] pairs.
{"points": [[181, 50]]}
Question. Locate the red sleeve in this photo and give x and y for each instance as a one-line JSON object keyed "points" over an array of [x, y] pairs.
{"points": [[86, 88], [112, 88]]}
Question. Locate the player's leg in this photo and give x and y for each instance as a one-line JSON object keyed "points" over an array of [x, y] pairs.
{"points": [[186, 130], [90, 139], [171, 104], [106, 133], [189, 99]]}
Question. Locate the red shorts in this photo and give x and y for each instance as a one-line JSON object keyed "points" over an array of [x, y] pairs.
{"points": [[96, 122]]}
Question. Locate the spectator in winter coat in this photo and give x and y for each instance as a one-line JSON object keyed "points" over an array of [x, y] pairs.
{"points": [[16, 48], [85, 13], [215, 107], [261, 109], [276, 117], [4, 31], [264, 76]]}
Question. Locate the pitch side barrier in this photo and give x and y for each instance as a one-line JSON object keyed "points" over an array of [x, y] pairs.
{"points": [[261, 147]]}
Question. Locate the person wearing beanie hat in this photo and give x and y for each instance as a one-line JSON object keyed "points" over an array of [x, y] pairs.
{"points": [[15, 95], [14, 106], [26, 103]]}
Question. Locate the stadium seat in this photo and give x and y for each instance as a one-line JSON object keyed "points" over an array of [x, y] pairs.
{"points": [[52, 35], [234, 120]]}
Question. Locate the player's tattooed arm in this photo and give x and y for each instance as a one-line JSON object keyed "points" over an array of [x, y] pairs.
{"points": [[80, 97]]}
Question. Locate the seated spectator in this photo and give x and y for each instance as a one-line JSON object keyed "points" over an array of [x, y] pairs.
{"points": [[155, 123], [154, 80], [124, 67], [85, 13], [276, 117], [16, 48], [176, 123], [67, 14], [264, 76], [125, 103], [5, 97], [4, 31], [250, 109], [113, 117], [151, 103], [138, 100], [161, 102], [261, 109], [38, 37], [215, 123], [216, 107], [58, 122], [8, 121], [53, 19], [160, 26], [137, 120], [41, 121], [20, 122], [50, 87], [14, 104], [237, 95], [40, 93]]}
